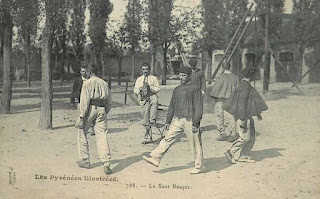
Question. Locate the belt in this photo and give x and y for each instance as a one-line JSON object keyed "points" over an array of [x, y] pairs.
{"points": [[98, 102]]}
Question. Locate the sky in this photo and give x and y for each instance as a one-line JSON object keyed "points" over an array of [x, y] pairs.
{"points": [[120, 6]]}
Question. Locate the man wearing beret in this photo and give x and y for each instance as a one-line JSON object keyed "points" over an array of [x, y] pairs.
{"points": [[244, 103], [197, 76], [184, 115]]}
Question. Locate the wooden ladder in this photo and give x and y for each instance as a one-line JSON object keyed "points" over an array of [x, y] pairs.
{"points": [[232, 46]]}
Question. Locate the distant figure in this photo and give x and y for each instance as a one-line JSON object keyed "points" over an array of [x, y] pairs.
{"points": [[244, 103], [184, 115], [95, 103], [146, 88], [222, 89], [77, 85], [197, 77]]}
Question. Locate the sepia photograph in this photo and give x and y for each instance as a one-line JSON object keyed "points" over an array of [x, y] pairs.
{"points": [[159, 99]]}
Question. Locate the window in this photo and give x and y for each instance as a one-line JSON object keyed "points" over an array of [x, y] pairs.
{"points": [[218, 58], [286, 57]]}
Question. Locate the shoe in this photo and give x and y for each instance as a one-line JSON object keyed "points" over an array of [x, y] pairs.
{"points": [[147, 141], [229, 157], [85, 163], [246, 159], [107, 170], [195, 171], [222, 137], [150, 160]]}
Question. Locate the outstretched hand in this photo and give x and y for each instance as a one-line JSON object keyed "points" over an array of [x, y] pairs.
{"points": [[259, 117]]}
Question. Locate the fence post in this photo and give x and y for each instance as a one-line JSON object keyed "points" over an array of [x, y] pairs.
{"points": [[109, 82], [126, 93]]}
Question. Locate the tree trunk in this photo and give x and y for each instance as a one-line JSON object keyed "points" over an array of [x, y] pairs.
{"points": [[62, 58], [209, 65], [300, 65], [7, 76], [26, 40], [1, 50], [46, 90], [153, 61], [266, 71], [97, 61], [103, 69], [164, 76], [120, 69], [133, 60]]}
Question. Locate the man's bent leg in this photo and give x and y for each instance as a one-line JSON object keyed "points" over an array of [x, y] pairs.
{"points": [[219, 117], [145, 112], [174, 130], [153, 108], [83, 147], [196, 145], [101, 130], [251, 138]]}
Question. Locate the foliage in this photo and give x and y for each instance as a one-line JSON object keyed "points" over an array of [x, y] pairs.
{"points": [[76, 33], [213, 17], [132, 24], [99, 15]]}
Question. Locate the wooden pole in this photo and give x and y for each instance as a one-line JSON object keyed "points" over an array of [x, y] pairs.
{"points": [[310, 69], [285, 71], [266, 72], [126, 93]]}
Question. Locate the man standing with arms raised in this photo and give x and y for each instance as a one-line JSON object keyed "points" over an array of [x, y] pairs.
{"points": [[95, 103]]}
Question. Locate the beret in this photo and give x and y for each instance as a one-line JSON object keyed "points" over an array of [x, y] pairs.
{"points": [[185, 69], [193, 61], [249, 72]]}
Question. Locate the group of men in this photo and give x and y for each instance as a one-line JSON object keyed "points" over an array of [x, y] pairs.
{"points": [[184, 113]]}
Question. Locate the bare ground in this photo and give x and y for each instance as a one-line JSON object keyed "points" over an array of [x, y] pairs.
{"points": [[287, 153]]}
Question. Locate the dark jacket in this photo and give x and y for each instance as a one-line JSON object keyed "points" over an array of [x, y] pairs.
{"points": [[76, 89], [245, 102], [186, 102], [199, 79]]}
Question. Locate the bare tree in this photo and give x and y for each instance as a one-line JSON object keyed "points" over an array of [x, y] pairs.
{"points": [[132, 28], [77, 35], [27, 19], [99, 15], [52, 8], [6, 7]]}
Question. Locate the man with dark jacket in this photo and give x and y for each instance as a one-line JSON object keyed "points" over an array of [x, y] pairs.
{"points": [[77, 86], [197, 77], [184, 115]]}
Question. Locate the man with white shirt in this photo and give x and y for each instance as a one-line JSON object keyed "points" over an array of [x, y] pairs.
{"points": [[95, 103], [146, 88]]}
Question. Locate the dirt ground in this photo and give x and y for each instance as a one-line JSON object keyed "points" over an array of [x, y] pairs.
{"points": [[41, 164]]}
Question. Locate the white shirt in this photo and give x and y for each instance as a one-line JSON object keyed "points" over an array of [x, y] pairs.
{"points": [[151, 80], [93, 88]]}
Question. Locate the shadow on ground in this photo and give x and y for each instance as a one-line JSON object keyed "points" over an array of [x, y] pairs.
{"points": [[63, 127], [209, 128], [221, 163], [120, 163], [266, 153], [117, 130]]}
